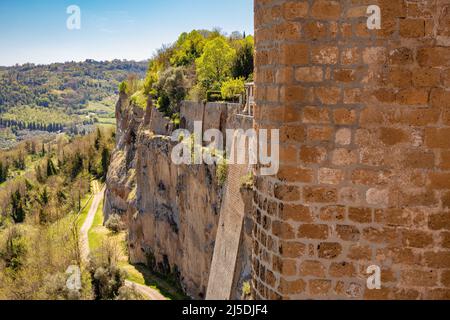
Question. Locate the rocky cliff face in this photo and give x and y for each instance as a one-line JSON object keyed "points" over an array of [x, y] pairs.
{"points": [[174, 228], [172, 211], [121, 182]]}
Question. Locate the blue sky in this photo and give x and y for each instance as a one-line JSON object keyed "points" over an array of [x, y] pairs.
{"points": [[35, 30]]}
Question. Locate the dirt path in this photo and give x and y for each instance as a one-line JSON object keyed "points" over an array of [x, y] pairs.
{"points": [[148, 292], [151, 293], [84, 232]]}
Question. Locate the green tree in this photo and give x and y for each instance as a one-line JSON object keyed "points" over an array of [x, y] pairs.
{"points": [[77, 165], [171, 90], [243, 62], [214, 66], [15, 249], [188, 48], [3, 172], [105, 161], [51, 169], [17, 210], [98, 139], [44, 197], [233, 88]]}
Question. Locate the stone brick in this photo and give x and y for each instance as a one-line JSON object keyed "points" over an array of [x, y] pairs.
{"points": [[287, 31], [419, 160], [438, 294], [313, 231], [329, 250], [359, 252], [377, 197], [309, 74], [315, 30], [294, 10], [312, 154], [445, 76], [440, 98], [370, 177], [319, 287], [319, 195], [294, 54], [412, 28], [332, 213], [292, 94], [405, 256], [437, 137], [295, 174], [316, 115], [353, 95], [380, 235], [342, 270], [400, 77], [323, 133], [284, 75], [292, 286], [434, 56], [413, 96], [350, 56], [330, 176], [287, 267], [445, 160], [345, 75], [290, 249], [439, 180], [343, 137], [445, 198], [295, 212], [344, 116], [287, 193], [348, 233], [417, 239], [312, 268], [426, 77], [401, 56], [325, 55], [326, 10], [360, 215], [393, 136], [440, 221], [445, 278], [350, 196], [288, 154], [328, 96], [283, 230], [292, 134], [439, 259], [344, 157], [419, 278]]}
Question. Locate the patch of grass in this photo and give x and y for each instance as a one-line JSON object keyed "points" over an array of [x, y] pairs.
{"points": [[248, 181], [134, 273], [221, 172], [107, 121], [139, 99], [86, 204], [164, 285], [97, 233]]}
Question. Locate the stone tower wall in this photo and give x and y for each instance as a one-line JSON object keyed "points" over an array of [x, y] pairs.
{"points": [[364, 119]]}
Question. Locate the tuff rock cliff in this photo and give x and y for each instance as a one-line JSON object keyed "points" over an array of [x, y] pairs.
{"points": [[171, 211]]}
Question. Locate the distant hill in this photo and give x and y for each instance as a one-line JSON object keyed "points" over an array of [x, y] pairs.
{"points": [[61, 96], [68, 86]]}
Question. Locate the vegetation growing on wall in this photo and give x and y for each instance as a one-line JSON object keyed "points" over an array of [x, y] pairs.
{"points": [[201, 64]]}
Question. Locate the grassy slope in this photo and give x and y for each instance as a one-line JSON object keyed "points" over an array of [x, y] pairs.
{"points": [[134, 273]]}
